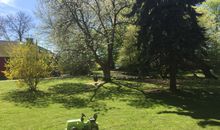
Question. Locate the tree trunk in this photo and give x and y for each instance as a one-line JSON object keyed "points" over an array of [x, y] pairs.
{"points": [[173, 71], [110, 57], [107, 74], [20, 37]]}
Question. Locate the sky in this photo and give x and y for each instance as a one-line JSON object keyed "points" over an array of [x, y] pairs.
{"points": [[12, 6], [27, 6]]}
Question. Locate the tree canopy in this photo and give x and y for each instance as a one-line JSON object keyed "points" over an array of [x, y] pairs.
{"points": [[95, 21], [169, 33], [15, 26]]}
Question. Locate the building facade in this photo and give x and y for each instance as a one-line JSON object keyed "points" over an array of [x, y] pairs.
{"points": [[5, 49]]}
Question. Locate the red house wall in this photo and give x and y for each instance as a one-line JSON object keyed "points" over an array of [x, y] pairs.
{"points": [[2, 66]]}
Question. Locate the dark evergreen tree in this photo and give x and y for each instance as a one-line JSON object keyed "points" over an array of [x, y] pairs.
{"points": [[169, 34]]}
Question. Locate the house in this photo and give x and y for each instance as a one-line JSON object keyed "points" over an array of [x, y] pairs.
{"points": [[5, 48]]}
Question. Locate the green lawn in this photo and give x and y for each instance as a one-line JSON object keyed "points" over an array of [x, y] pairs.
{"points": [[124, 105]]}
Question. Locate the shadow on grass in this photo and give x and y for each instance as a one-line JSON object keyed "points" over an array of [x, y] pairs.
{"points": [[71, 88], [198, 99], [78, 95], [114, 91], [70, 95], [100, 107], [139, 98], [198, 104], [209, 122], [28, 99], [66, 94]]}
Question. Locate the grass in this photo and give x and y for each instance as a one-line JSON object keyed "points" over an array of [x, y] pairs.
{"points": [[122, 105]]}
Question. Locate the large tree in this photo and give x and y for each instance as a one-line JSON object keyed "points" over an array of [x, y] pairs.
{"points": [[169, 33], [95, 20], [15, 26]]}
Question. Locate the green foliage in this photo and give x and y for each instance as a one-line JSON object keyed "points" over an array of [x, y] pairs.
{"points": [[169, 34], [128, 54], [214, 7], [97, 22], [28, 64], [75, 59], [157, 39], [211, 21]]}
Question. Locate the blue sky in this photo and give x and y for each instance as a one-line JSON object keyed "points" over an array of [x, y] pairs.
{"points": [[28, 6], [12, 6]]}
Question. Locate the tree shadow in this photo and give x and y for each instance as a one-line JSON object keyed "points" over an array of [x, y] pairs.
{"points": [[113, 91], [71, 88], [209, 123], [138, 94], [78, 95], [98, 86], [100, 107], [28, 99], [66, 94], [70, 95], [198, 99], [199, 102]]}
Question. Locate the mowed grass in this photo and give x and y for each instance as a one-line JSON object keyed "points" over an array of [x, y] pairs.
{"points": [[122, 105]]}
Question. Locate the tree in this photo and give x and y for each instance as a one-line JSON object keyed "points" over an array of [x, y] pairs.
{"points": [[3, 29], [28, 64], [128, 53], [74, 58], [96, 20], [211, 21], [16, 26], [169, 33], [214, 7]]}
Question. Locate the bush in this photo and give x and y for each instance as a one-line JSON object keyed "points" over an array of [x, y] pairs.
{"points": [[28, 64]]}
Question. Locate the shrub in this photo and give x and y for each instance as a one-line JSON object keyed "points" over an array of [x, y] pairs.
{"points": [[28, 64]]}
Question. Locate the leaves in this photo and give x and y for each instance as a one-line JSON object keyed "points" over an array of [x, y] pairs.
{"points": [[28, 64]]}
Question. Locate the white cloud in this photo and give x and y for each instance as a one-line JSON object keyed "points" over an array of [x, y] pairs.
{"points": [[11, 7], [7, 2], [7, 7]]}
